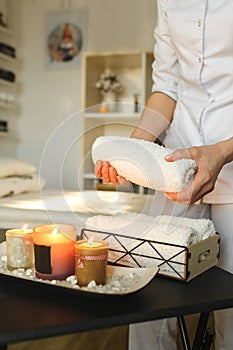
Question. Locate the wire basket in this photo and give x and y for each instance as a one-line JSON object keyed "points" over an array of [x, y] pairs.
{"points": [[174, 260]]}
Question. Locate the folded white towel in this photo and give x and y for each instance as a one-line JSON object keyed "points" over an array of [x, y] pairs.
{"points": [[143, 163], [204, 227], [163, 228]]}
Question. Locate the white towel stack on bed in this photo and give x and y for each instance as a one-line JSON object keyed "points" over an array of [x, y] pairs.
{"points": [[17, 176], [143, 163], [164, 229]]}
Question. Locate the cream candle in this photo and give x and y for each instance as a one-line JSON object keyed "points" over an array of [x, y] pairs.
{"points": [[91, 261], [20, 252], [54, 251]]}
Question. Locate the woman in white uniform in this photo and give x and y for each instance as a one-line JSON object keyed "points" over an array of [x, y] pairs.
{"points": [[193, 95]]}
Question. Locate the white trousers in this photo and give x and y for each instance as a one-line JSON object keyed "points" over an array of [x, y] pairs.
{"points": [[161, 334]]}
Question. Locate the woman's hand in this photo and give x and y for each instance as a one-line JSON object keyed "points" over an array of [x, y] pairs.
{"points": [[108, 173], [210, 160]]}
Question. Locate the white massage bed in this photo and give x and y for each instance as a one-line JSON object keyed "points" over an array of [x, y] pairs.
{"points": [[75, 207]]}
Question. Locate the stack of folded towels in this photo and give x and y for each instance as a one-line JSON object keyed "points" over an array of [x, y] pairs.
{"points": [[17, 176], [162, 228]]}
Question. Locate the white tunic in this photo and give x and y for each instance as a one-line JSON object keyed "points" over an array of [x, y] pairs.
{"points": [[194, 65]]}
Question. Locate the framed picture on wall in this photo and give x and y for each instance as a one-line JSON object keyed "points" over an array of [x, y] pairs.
{"points": [[64, 38]]}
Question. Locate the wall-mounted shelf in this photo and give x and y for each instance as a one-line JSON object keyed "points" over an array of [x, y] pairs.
{"points": [[133, 70], [7, 58], [112, 117], [7, 106], [7, 83], [8, 89], [5, 31]]}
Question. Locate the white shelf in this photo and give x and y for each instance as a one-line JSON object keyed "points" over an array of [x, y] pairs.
{"points": [[89, 176], [4, 133], [114, 117], [7, 58], [5, 105], [7, 134], [7, 83], [9, 89], [5, 30]]}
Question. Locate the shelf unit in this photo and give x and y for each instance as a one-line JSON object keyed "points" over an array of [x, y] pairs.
{"points": [[134, 71], [8, 89]]}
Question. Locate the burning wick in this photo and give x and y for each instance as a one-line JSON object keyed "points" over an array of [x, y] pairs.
{"points": [[90, 240], [54, 232], [24, 228]]}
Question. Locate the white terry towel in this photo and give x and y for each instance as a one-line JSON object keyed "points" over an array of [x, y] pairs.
{"points": [[142, 162], [163, 228], [204, 227]]}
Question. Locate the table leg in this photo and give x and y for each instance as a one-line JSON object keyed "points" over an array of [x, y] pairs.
{"points": [[200, 332], [208, 339], [203, 337], [183, 333]]}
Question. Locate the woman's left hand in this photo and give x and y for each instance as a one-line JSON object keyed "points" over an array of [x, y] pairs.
{"points": [[209, 160]]}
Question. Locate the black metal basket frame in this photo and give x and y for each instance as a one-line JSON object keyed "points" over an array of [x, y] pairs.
{"points": [[124, 251]]}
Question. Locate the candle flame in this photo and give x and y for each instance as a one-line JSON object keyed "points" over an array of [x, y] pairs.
{"points": [[54, 232], [24, 227], [90, 240]]}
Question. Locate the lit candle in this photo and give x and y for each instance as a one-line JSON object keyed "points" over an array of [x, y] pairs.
{"points": [[91, 261], [54, 251], [19, 248]]}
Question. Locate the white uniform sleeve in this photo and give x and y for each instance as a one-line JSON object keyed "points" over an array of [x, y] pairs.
{"points": [[165, 66]]}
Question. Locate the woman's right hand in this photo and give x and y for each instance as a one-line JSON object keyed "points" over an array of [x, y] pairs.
{"points": [[108, 173]]}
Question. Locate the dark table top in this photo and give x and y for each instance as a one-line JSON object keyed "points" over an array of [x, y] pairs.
{"points": [[32, 312]]}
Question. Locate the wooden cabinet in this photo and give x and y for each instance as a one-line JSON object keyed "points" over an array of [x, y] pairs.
{"points": [[134, 71]]}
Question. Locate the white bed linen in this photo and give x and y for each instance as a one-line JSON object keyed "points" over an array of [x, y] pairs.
{"points": [[71, 207]]}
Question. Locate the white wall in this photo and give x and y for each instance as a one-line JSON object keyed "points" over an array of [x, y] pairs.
{"points": [[47, 96]]}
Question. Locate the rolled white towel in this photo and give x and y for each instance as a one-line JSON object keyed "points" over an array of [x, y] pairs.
{"points": [[204, 227], [143, 163], [168, 229]]}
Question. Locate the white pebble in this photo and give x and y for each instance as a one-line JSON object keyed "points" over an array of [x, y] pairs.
{"points": [[91, 284], [116, 283], [53, 282], [70, 278], [29, 273]]}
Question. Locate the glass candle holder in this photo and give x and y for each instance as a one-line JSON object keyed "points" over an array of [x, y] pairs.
{"points": [[54, 247], [91, 261], [20, 252]]}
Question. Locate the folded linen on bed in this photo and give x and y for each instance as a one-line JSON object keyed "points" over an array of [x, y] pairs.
{"points": [[13, 185], [143, 163], [15, 167]]}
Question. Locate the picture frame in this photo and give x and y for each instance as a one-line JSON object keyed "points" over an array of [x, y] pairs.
{"points": [[64, 38]]}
